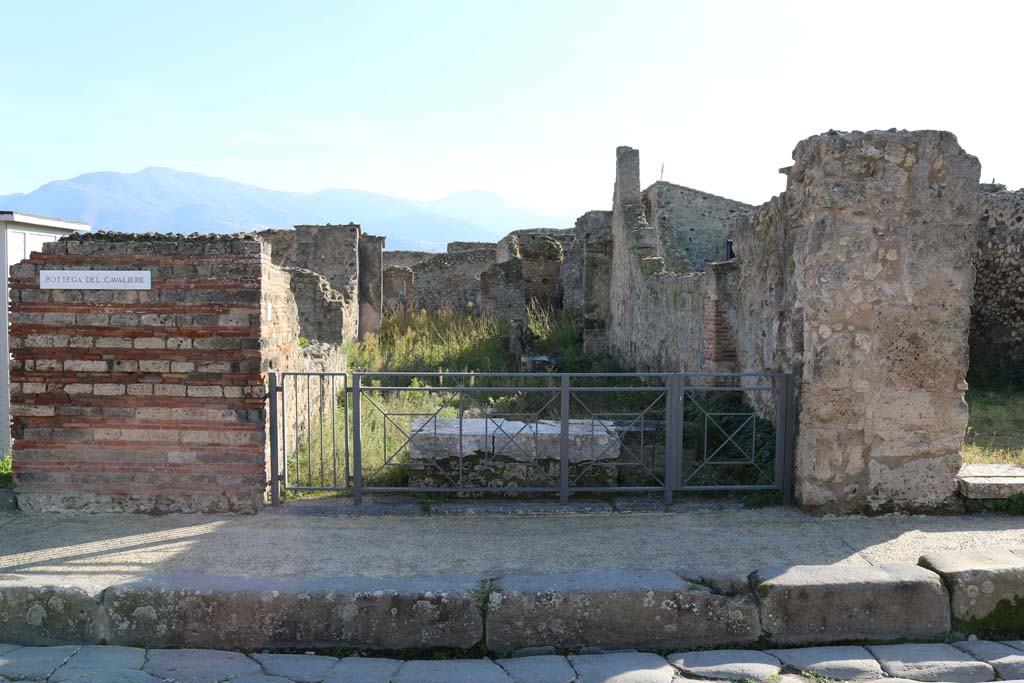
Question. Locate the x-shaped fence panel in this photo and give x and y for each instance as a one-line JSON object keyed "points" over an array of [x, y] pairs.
{"points": [[471, 433]]}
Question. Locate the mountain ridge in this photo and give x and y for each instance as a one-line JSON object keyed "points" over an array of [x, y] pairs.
{"points": [[162, 199]]}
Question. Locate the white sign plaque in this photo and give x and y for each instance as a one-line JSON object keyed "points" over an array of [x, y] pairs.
{"points": [[95, 279]]}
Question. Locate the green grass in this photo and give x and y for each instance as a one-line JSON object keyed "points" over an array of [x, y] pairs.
{"points": [[995, 430], [6, 477]]}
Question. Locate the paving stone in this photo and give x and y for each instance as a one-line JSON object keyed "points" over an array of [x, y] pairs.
{"points": [[101, 658], [931, 662], [299, 668], [199, 666], [1015, 644], [736, 665], [34, 663], [260, 678], [539, 669], [830, 603], [4, 647], [1007, 661], [110, 676], [452, 671], [614, 609], [356, 669], [839, 662], [8, 500], [629, 667], [986, 589]]}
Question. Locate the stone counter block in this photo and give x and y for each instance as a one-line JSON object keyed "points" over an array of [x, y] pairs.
{"points": [[987, 589], [45, 610], [614, 609], [439, 438], [343, 612], [837, 603]]}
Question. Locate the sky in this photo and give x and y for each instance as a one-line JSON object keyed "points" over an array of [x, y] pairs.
{"points": [[527, 99]]}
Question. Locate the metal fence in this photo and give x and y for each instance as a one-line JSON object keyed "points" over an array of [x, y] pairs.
{"points": [[530, 433]]}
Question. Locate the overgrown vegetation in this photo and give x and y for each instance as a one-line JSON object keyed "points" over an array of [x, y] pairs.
{"points": [[995, 431], [6, 477]]}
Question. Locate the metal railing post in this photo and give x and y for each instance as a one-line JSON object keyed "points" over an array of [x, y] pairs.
{"points": [[563, 445], [275, 465], [357, 442], [673, 433], [787, 470], [779, 478]]}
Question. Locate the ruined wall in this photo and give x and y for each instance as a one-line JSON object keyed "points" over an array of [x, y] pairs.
{"points": [[503, 290], [405, 259], [142, 400], [593, 226], [371, 284], [451, 280], [331, 250], [997, 318], [568, 291], [323, 312], [597, 276], [641, 335], [860, 280], [398, 289], [692, 226], [454, 247]]}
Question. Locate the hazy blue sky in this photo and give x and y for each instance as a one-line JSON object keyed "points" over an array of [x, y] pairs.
{"points": [[527, 99]]}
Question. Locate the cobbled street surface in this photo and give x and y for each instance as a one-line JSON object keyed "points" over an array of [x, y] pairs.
{"points": [[961, 662]]}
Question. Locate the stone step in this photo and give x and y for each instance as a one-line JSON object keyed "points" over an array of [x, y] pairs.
{"points": [[981, 481]]}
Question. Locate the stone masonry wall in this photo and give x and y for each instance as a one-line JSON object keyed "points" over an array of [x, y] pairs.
{"points": [[405, 259], [331, 250], [860, 280], [140, 400], [568, 293], [503, 290], [451, 280], [324, 313], [692, 226], [997, 319], [371, 284], [454, 247], [641, 336], [398, 288], [597, 276]]}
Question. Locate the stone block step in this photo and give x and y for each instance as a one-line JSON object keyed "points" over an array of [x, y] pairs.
{"points": [[991, 481]]}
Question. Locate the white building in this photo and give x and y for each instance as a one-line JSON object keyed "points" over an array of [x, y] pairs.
{"points": [[22, 234]]}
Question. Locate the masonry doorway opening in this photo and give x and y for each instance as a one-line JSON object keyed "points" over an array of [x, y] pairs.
{"points": [[554, 434]]}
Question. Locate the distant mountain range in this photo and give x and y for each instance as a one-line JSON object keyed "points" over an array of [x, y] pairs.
{"points": [[165, 200]]}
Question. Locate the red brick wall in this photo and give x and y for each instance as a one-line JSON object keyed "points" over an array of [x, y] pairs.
{"points": [[141, 400], [719, 349]]}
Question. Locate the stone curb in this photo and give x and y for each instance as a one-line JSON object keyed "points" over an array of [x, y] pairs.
{"points": [[835, 603], [614, 609], [801, 605]]}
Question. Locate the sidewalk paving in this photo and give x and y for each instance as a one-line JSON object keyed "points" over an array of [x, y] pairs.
{"points": [[104, 548], [966, 662]]}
